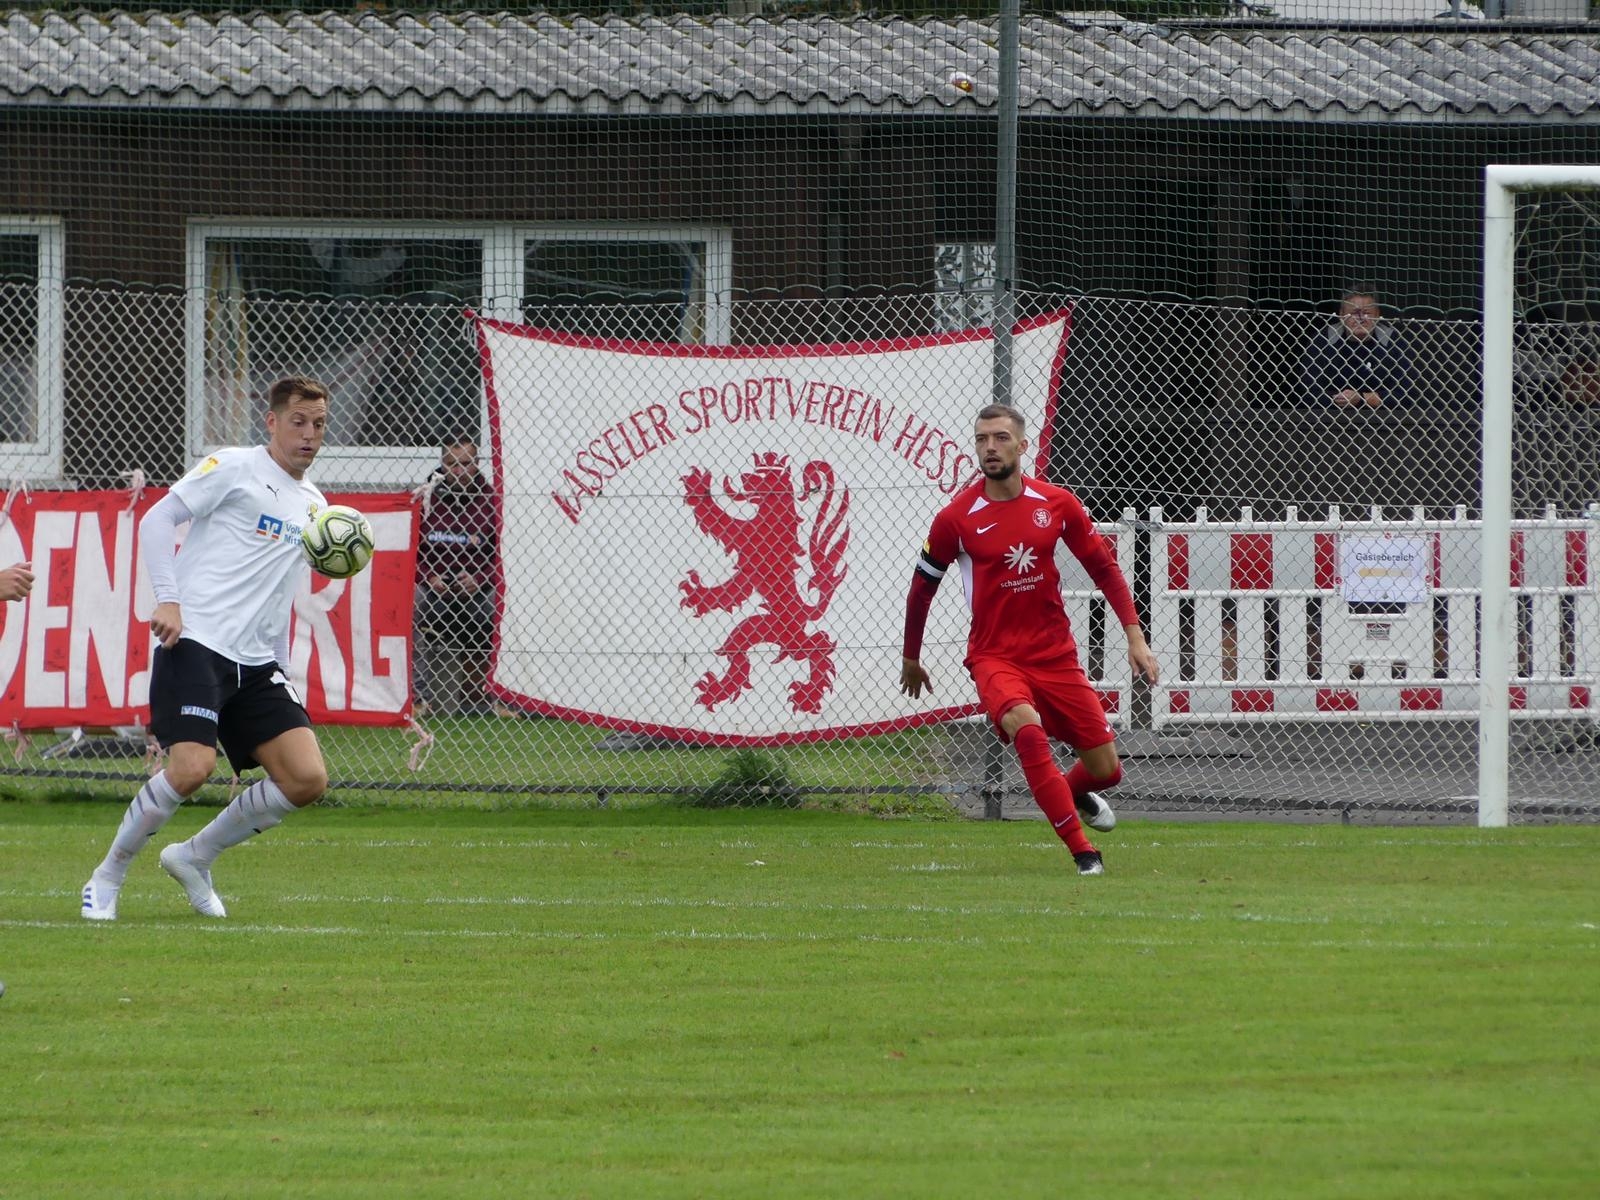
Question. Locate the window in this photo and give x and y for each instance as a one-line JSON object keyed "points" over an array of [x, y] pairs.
{"points": [[31, 320], [963, 285], [610, 286], [376, 312]]}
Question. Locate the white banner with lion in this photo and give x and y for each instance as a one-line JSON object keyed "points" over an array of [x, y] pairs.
{"points": [[714, 543]]}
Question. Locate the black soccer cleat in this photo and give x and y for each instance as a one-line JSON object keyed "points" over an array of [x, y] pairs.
{"points": [[1089, 863]]}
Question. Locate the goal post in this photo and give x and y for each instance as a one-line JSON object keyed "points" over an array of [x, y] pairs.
{"points": [[1502, 184]]}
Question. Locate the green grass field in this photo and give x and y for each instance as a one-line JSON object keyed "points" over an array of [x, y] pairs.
{"points": [[665, 1003]]}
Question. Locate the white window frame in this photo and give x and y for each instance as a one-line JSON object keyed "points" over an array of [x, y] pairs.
{"points": [[40, 459], [502, 288]]}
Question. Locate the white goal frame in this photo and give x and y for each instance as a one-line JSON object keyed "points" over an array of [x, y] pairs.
{"points": [[1501, 185]]}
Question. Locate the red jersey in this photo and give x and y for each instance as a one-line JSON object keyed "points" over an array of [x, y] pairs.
{"points": [[1007, 553]]}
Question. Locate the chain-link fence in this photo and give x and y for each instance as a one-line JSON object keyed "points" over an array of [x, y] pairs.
{"points": [[1308, 570], [1247, 269]]}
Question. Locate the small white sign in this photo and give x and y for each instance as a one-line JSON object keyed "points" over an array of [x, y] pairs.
{"points": [[1388, 568]]}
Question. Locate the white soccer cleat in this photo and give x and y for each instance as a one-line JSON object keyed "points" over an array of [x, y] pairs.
{"points": [[100, 900], [177, 860], [1096, 813]]}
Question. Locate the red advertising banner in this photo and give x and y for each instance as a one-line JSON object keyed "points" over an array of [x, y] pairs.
{"points": [[78, 650]]}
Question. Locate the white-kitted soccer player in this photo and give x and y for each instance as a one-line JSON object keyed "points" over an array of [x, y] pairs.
{"points": [[223, 606]]}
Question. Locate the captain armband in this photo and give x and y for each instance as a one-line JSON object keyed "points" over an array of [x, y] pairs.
{"points": [[930, 566]]}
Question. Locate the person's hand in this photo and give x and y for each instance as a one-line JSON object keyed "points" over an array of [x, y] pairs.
{"points": [[913, 678], [437, 583], [1345, 397], [167, 623], [423, 490], [16, 581], [1140, 657], [466, 583], [1372, 399]]}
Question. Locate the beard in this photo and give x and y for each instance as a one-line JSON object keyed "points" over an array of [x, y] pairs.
{"points": [[999, 471]]}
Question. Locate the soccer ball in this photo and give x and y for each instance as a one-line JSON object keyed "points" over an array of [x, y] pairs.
{"points": [[338, 542]]}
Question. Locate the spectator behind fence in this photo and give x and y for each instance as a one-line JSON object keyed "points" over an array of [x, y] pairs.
{"points": [[454, 612], [1358, 360]]}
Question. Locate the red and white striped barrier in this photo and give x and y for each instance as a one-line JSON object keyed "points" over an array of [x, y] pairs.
{"points": [[1254, 622]]}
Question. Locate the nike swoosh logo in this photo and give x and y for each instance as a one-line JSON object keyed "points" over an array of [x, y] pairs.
{"points": [[986, 528]]}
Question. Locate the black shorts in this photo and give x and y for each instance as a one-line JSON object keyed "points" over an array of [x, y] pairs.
{"points": [[197, 695]]}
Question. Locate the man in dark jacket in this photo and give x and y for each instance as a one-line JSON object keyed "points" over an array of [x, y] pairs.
{"points": [[455, 584], [1358, 361]]}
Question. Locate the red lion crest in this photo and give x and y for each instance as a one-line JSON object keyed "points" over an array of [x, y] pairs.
{"points": [[767, 555]]}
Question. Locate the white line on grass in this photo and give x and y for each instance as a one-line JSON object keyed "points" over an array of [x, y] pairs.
{"points": [[284, 841], [416, 843], [332, 840], [187, 927], [715, 904]]}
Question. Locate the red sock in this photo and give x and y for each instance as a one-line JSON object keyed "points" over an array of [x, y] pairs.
{"points": [[1080, 781], [1049, 787]]}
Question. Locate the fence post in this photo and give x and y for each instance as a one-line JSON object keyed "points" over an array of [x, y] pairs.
{"points": [[1140, 695], [994, 778]]}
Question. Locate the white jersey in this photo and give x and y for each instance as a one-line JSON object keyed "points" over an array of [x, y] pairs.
{"points": [[240, 564]]}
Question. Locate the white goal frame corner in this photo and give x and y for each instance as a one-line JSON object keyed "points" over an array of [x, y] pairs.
{"points": [[1501, 185]]}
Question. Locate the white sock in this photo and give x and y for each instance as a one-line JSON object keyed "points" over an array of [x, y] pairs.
{"points": [[255, 810], [157, 800]]}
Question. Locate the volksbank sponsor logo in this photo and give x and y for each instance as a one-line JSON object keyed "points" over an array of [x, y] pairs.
{"points": [[194, 710], [275, 529]]}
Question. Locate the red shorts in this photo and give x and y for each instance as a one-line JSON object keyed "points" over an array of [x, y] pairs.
{"points": [[1068, 705]]}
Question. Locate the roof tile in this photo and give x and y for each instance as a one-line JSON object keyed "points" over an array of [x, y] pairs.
{"points": [[685, 64]]}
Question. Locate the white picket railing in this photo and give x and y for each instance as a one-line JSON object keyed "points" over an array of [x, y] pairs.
{"points": [[1255, 622]]}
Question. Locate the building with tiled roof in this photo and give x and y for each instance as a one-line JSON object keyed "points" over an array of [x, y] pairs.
{"points": [[499, 63], [756, 179]]}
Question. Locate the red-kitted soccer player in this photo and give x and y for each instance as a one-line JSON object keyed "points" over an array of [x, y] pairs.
{"points": [[1020, 650]]}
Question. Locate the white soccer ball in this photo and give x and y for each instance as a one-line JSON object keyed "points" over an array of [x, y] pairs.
{"points": [[338, 542]]}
